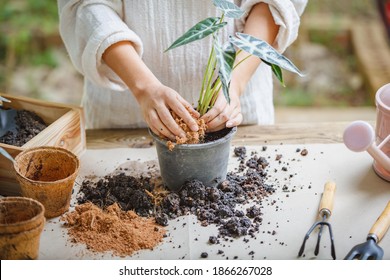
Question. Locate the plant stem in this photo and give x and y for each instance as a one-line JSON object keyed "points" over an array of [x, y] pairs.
{"points": [[242, 60], [207, 84], [205, 78], [208, 90]]}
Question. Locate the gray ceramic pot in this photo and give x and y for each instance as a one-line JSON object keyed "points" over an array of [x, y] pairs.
{"points": [[206, 162]]}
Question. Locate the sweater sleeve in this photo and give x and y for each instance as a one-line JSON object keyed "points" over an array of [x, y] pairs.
{"points": [[286, 14], [88, 28]]}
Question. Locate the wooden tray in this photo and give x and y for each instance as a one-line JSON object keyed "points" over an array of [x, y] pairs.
{"points": [[66, 129]]}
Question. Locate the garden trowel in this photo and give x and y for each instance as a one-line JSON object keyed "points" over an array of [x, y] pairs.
{"points": [[7, 118]]}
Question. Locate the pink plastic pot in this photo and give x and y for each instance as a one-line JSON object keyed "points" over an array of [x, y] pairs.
{"points": [[359, 136], [382, 100]]}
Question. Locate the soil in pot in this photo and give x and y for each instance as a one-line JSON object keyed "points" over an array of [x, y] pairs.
{"points": [[27, 124]]}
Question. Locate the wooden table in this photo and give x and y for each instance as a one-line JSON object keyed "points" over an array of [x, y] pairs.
{"points": [[288, 133]]}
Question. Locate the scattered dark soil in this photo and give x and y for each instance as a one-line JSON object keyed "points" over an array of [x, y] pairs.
{"points": [[212, 205], [28, 124], [240, 152], [128, 192], [234, 206]]}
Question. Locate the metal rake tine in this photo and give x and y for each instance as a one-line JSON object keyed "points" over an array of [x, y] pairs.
{"points": [[303, 246], [306, 238], [332, 247], [351, 255], [365, 256], [317, 249]]}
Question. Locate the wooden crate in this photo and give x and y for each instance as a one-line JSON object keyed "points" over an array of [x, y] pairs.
{"points": [[66, 129]]}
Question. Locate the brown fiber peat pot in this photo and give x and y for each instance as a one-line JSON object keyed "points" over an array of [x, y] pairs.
{"points": [[206, 162], [47, 174], [21, 224]]}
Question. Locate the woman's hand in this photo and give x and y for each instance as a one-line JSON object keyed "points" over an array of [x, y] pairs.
{"points": [[224, 114], [154, 98], [156, 102]]}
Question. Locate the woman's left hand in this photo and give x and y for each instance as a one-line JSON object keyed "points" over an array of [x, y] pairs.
{"points": [[224, 114]]}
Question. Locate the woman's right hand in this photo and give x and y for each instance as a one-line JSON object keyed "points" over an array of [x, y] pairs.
{"points": [[156, 101]]}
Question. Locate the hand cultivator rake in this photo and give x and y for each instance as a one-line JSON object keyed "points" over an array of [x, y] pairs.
{"points": [[324, 211]]}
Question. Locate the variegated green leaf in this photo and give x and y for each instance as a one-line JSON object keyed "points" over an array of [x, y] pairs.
{"points": [[199, 31], [277, 71], [225, 58], [264, 51], [229, 9]]}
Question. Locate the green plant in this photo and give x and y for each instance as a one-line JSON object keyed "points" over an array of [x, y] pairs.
{"points": [[222, 56]]}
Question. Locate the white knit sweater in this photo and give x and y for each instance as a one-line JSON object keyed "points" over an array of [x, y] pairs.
{"points": [[89, 27]]}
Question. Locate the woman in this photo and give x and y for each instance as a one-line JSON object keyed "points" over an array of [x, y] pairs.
{"points": [[130, 82]]}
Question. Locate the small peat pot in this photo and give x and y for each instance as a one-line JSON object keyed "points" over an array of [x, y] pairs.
{"points": [[47, 174], [206, 162], [21, 224]]}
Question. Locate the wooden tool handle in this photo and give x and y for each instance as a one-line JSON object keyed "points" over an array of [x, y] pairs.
{"points": [[382, 223], [326, 204]]}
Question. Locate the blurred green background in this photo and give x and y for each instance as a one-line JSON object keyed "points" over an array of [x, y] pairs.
{"points": [[34, 63]]}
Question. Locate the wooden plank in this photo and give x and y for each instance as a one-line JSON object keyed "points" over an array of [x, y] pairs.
{"points": [[48, 111], [64, 132], [288, 133]]}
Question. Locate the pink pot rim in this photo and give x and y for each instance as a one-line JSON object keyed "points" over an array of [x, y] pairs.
{"points": [[379, 102]]}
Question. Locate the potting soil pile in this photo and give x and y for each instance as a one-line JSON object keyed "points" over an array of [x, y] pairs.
{"points": [[234, 205], [27, 124], [112, 229]]}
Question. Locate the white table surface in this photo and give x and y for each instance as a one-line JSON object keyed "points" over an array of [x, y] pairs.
{"points": [[359, 199]]}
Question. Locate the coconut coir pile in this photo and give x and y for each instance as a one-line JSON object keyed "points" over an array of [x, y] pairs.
{"points": [[112, 229]]}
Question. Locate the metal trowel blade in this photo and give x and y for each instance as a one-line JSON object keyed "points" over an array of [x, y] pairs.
{"points": [[3, 99]]}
